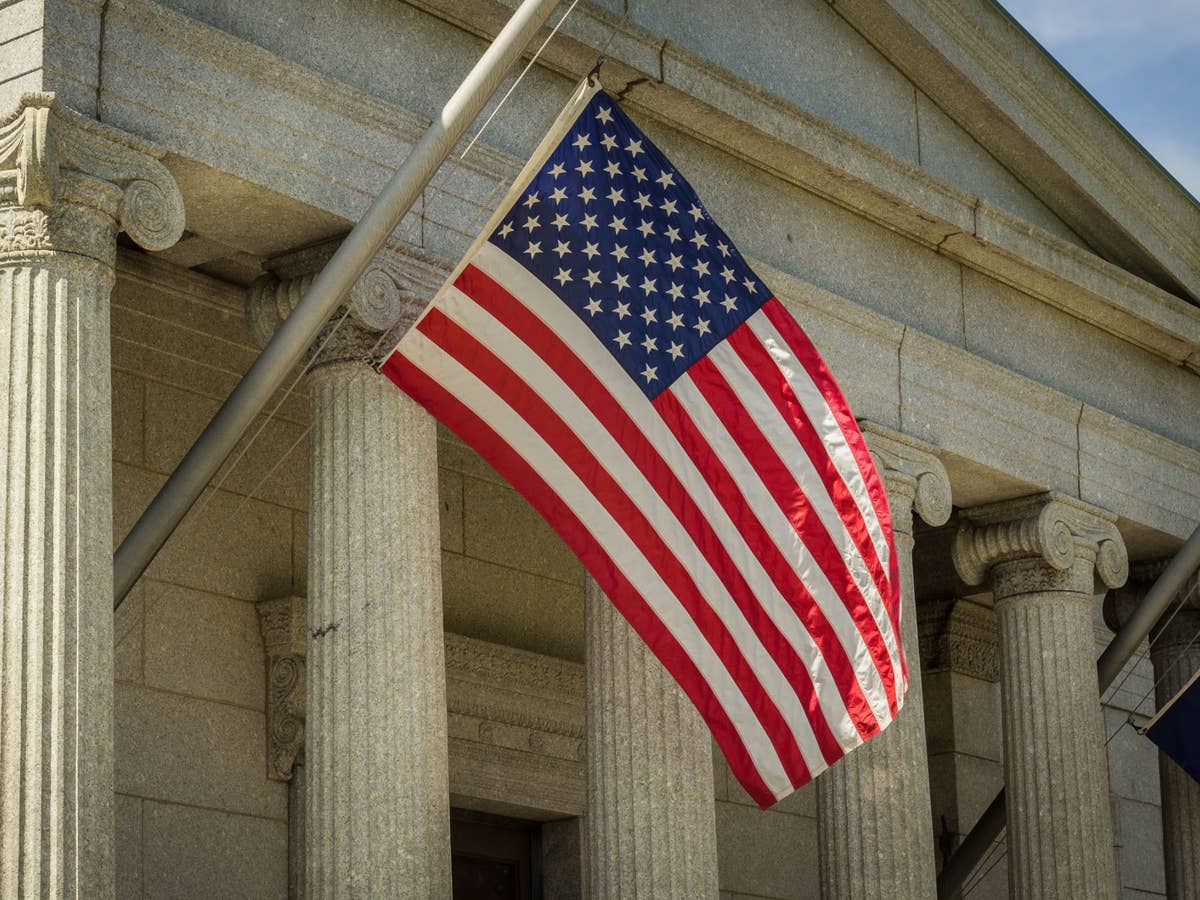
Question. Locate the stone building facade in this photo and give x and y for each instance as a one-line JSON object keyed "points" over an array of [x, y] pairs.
{"points": [[363, 647]]}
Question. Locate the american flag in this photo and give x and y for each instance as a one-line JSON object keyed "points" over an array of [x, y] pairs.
{"points": [[608, 350]]}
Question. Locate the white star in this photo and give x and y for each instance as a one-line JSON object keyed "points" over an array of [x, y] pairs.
{"points": [[592, 278], [621, 281], [582, 141], [531, 200], [668, 206], [729, 303], [647, 257], [643, 200], [697, 212], [617, 225], [621, 309], [639, 173], [675, 320], [634, 148], [701, 267], [615, 196], [649, 315], [588, 222], [587, 195], [727, 274], [666, 179], [622, 339], [563, 276], [675, 261], [531, 223], [613, 169], [723, 247], [648, 286], [609, 142], [556, 170], [604, 114], [676, 350], [702, 298], [562, 249], [646, 228], [699, 239], [584, 168], [701, 327], [591, 250], [593, 306], [650, 373], [534, 248], [620, 252], [505, 230], [649, 344], [750, 286], [560, 221], [673, 233], [558, 195], [675, 290]]}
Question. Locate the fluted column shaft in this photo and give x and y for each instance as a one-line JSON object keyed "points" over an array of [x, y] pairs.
{"points": [[65, 190], [376, 752], [875, 827], [1041, 555], [651, 826]]}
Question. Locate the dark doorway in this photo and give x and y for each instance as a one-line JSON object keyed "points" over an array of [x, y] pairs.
{"points": [[494, 858]]}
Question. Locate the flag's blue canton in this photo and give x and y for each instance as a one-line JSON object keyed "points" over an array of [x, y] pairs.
{"points": [[613, 230]]}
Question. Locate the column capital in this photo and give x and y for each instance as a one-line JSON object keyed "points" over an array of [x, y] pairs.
{"points": [[1046, 541], [283, 622], [383, 304], [1183, 623], [913, 475], [69, 184]]}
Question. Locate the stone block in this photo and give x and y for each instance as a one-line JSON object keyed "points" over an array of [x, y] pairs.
{"points": [[193, 853], [300, 553], [204, 645], [450, 510], [506, 606], [961, 787], [962, 715], [229, 545], [501, 527], [455, 455], [129, 636], [766, 854], [1132, 759], [1138, 834], [21, 54], [128, 813], [196, 752], [128, 422]]}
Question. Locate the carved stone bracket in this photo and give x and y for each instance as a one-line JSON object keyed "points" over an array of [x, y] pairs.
{"points": [[384, 303], [959, 636], [69, 184], [1062, 542], [283, 622], [914, 477]]}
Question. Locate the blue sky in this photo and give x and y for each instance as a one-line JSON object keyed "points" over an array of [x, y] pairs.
{"points": [[1140, 60]]}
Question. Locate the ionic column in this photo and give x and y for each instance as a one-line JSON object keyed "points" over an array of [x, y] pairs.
{"points": [[875, 829], [651, 827], [67, 186], [1175, 656], [1042, 556], [377, 801]]}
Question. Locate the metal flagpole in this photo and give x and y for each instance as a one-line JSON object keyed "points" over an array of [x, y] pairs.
{"points": [[293, 337], [962, 862]]}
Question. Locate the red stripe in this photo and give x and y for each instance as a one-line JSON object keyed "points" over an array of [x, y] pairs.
{"points": [[782, 487], [629, 602], [780, 569], [764, 369], [804, 351], [573, 450], [644, 454]]}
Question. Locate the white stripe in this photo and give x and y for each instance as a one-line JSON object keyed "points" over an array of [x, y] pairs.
{"points": [[541, 378], [780, 437], [560, 320], [818, 411], [759, 499], [515, 431]]}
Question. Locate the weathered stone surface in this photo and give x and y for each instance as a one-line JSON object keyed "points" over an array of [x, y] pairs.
{"points": [[1041, 555], [651, 829], [882, 788]]}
